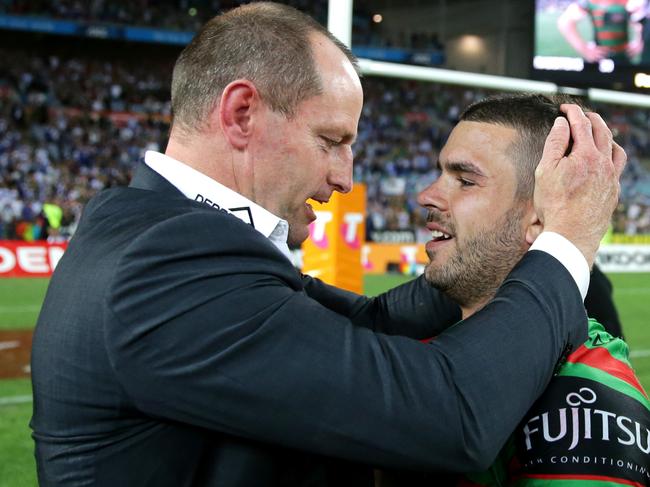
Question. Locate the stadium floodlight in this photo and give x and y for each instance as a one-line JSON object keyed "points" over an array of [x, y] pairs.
{"points": [[619, 97], [339, 20], [448, 76]]}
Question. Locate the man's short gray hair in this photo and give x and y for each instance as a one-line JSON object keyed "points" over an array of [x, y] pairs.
{"points": [[265, 43]]}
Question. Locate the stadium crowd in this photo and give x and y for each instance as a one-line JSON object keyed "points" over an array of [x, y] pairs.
{"points": [[70, 127], [187, 15], [405, 123], [163, 14]]}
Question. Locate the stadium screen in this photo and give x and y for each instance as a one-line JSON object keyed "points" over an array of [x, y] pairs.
{"points": [[593, 43]]}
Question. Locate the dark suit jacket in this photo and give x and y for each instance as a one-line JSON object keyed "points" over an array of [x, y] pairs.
{"points": [[599, 303], [178, 347]]}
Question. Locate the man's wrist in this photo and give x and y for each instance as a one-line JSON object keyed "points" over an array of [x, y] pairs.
{"points": [[568, 255]]}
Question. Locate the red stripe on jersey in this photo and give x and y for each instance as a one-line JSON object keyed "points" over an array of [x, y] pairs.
{"points": [[601, 359], [617, 49], [601, 478], [608, 36], [607, 3]]}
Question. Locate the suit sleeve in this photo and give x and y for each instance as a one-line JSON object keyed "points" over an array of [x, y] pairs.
{"points": [[414, 309], [212, 331]]}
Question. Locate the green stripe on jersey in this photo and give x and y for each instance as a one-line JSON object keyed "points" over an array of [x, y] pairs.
{"points": [[599, 338], [591, 373]]}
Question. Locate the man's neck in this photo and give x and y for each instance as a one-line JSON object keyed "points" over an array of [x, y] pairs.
{"points": [[202, 154], [469, 310]]}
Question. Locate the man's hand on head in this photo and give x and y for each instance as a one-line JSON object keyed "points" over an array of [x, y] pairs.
{"points": [[576, 194]]}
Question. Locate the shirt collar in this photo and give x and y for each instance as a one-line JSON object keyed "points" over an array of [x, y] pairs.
{"points": [[199, 187]]}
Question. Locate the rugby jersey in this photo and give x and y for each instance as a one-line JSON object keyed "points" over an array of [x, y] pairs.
{"points": [[610, 20], [590, 427]]}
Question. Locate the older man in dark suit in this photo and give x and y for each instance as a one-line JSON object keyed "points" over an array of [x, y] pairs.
{"points": [[178, 346]]}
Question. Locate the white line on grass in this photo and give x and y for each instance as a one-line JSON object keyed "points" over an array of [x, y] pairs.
{"points": [[639, 353], [7, 401], [9, 345]]}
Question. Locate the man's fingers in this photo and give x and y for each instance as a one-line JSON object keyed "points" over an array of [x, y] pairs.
{"points": [[581, 129], [619, 157], [556, 143], [601, 133]]}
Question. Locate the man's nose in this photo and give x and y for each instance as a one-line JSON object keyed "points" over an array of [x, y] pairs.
{"points": [[433, 196], [340, 175]]}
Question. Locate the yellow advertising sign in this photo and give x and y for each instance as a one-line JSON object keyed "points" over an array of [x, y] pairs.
{"points": [[333, 250], [621, 238], [404, 258]]}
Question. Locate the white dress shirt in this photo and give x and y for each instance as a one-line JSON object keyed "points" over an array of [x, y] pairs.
{"points": [[199, 187]]}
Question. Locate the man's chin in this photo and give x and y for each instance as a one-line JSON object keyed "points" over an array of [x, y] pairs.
{"points": [[431, 275], [297, 235], [438, 277], [434, 270]]}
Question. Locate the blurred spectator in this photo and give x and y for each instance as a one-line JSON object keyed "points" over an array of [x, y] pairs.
{"points": [[164, 14], [189, 16]]}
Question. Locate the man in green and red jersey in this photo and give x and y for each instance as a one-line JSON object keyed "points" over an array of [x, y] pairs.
{"points": [[591, 425], [611, 21]]}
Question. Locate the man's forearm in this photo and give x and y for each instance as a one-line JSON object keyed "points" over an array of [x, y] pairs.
{"points": [[254, 357], [413, 309]]}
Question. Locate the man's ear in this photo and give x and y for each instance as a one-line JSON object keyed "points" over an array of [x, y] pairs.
{"points": [[236, 108], [533, 228]]}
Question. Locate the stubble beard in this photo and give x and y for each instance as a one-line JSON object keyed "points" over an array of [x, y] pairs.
{"points": [[298, 233], [294, 215], [475, 271]]}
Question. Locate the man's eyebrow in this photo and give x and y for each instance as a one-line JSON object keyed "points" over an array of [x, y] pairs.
{"points": [[461, 166]]}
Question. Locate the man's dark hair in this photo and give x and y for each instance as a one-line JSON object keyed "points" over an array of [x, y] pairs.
{"points": [[532, 116], [265, 43]]}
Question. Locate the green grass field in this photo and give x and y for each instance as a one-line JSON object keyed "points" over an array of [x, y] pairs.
{"points": [[549, 41], [20, 301]]}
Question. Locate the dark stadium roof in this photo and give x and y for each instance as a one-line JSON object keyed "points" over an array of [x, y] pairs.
{"points": [[374, 4]]}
